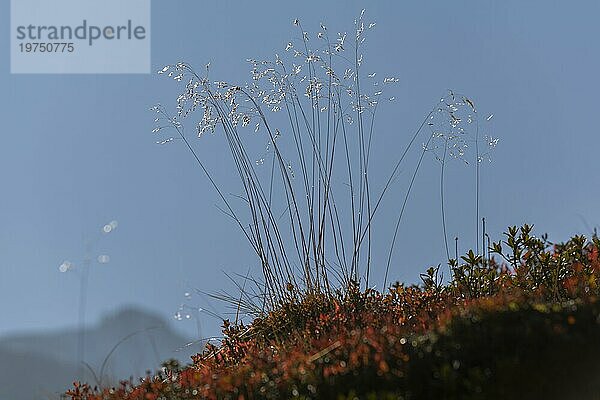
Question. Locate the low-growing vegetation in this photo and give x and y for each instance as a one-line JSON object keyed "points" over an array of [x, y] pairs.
{"points": [[523, 322]]}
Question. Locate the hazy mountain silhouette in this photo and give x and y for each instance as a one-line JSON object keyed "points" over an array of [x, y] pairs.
{"points": [[42, 365]]}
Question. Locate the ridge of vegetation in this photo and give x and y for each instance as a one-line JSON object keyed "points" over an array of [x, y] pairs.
{"points": [[526, 327]]}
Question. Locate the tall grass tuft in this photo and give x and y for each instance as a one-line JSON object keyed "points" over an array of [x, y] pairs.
{"points": [[308, 202]]}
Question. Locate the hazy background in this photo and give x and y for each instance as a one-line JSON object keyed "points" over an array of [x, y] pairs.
{"points": [[76, 151]]}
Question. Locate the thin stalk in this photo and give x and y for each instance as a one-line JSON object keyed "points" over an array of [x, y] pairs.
{"points": [[442, 199], [412, 181]]}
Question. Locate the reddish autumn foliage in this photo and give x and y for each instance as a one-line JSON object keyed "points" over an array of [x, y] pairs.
{"points": [[526, 328]]}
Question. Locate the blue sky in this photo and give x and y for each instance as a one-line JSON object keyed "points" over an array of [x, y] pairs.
{"points": [[77, 150]]}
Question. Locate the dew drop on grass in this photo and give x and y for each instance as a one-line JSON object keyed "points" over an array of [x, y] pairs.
{"points": [[65, 266], [187, 295], [489, 117]]}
